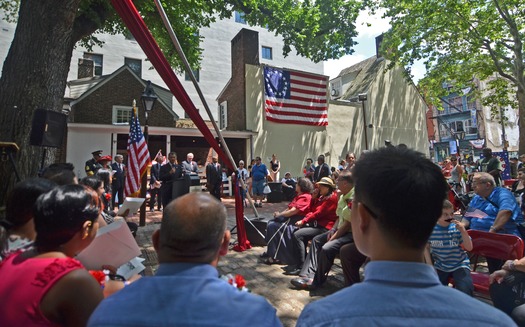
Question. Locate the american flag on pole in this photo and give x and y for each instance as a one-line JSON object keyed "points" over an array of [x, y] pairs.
{"points": [[138, 156], [295, 97]]}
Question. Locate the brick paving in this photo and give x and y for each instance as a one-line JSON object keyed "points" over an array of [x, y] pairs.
{"points": [[267, 281]]}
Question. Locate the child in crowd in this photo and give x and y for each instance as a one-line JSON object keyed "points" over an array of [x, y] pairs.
{"points": [[450, 259]]}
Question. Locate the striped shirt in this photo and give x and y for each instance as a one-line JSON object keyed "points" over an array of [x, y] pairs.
{"points": [[446, 250]]}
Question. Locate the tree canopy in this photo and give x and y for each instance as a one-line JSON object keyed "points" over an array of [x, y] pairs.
{"points": [[35, 70], [459, 41]]}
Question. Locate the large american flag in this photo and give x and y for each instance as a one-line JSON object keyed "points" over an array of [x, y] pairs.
{"points": [[138, 156], [295, 97]]}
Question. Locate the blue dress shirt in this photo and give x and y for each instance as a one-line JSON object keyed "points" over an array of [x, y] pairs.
{"points": [[401, 294], [183, 294]]}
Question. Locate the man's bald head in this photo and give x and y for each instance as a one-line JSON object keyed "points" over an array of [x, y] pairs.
{"points": [[192, 229]]}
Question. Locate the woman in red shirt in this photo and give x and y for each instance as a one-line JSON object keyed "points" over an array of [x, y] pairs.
{"points": [[279, 232], [320, 219]]}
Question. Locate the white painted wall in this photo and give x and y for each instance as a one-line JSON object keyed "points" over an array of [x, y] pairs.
{"points": [[395, 109]]}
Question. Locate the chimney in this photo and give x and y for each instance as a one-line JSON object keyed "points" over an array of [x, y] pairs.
{"points": [[379, 40], [86, 68]]}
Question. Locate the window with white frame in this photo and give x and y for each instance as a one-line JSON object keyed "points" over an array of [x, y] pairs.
{"points": [[443, 130], [470, 128], [223, 115], [97, 61], [121, 115], [266, 53]]}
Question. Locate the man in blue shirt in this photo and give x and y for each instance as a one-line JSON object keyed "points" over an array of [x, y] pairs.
{"points": [[391, 225], [494, 209], [186, 290], [259, 175]]}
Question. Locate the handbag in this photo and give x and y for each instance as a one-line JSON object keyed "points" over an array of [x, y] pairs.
{"points": [[267, 189]]}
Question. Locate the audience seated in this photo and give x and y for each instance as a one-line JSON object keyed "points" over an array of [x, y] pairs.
{"points": [[320, 219], [391, 224], [17, 230], [493, 209], [326, 246], [45, 285], [279, 232], [186, 290], [288, 186], [95, 183]]}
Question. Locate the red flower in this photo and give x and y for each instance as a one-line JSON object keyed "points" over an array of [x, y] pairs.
{"points": [[108, 196], [239, 280], [99, 276]]}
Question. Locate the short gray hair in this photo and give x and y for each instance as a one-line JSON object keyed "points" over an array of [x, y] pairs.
{"points": [[119, 156], [485, 178]]}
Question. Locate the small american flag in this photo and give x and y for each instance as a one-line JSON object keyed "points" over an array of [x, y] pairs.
{"points": [[295, 97], [138, 156]]}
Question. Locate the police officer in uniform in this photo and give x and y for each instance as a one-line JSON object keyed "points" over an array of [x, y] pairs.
{"points": [[92, 165]]}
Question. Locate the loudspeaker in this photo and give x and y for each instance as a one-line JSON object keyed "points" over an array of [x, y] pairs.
{"points": [[276, 195], [48, 128], [253, 233]]}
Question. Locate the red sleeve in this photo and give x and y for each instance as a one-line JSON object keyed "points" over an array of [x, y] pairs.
{"points": [[327, 207], [301, 203]]}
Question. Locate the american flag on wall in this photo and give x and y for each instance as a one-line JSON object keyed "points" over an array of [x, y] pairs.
{"points": [[138, 156], [295, 97]]}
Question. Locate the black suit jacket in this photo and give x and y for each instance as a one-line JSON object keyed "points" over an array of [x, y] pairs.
{"points": [[213, 175], [119, 176], [155, 173], [321, 171], [166, 177]]}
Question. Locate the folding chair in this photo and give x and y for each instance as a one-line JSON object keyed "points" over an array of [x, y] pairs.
{"points": [[498, 246]]}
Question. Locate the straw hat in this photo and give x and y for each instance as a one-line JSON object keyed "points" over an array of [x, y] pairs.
{"points": [[327, 181]]}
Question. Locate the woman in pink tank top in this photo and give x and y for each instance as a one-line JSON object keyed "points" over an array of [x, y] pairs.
{"points": [[45, 285]]}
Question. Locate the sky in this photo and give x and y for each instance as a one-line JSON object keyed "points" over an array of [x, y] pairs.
{"points": [[366, 46]]}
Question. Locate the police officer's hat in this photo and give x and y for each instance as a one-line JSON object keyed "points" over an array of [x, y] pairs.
{"points": [[97, 153]]}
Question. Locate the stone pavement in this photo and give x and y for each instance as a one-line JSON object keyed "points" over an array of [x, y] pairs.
{"points": [[267, 281]]}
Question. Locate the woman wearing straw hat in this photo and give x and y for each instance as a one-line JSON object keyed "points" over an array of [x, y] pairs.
{"points": [[321, 218]]}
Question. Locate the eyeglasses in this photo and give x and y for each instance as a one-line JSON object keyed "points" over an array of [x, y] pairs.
{"points": [[373, 214]]}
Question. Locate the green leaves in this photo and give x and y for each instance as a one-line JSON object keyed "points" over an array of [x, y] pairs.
{"points": [[459, 41]]}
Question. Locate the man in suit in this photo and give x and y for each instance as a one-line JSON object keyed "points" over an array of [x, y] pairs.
{"points": [[155, 184], [168, 174], [322, 169], [214, 177], [92, 165], [189, 166], [119, 176]]}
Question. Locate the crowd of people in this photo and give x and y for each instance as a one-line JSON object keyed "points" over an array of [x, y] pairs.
{"points": [[404, 232]]}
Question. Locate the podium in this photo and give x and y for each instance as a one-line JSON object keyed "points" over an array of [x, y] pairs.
{"points": [[194, 183], [179, 188]]}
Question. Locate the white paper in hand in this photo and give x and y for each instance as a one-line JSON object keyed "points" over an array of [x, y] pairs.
{"points": [[114, 245], [133, 204]]}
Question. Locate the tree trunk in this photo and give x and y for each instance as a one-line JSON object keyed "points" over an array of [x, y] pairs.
{"points": [[34, 76], [520, 94]]}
